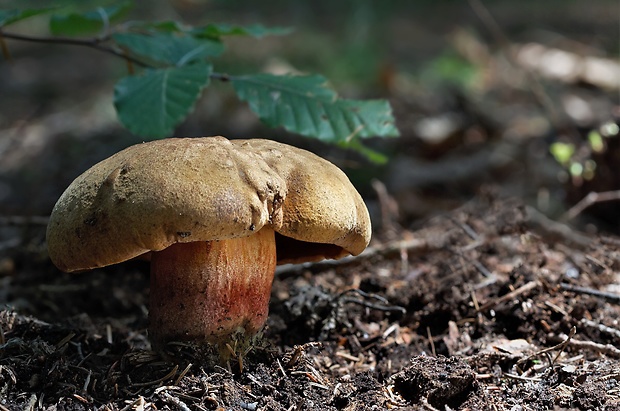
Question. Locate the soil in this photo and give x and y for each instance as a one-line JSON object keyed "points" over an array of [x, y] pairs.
{"points": [[483, 308], [467, 298]]}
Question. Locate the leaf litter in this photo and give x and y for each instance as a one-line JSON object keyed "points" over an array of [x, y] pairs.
{"points": [[487, 307]]}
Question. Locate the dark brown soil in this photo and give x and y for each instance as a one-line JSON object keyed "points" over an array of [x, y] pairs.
{"points": [[484, 308], [491, 306]]}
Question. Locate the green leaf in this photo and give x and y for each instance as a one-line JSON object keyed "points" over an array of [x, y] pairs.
{"points": [[450, 68], [562, 152], [575, 169], [305, 105], [14, 15], [596, 141], [75, 24], [169, 48], [153, 103], [164, 26], [222, 29]]}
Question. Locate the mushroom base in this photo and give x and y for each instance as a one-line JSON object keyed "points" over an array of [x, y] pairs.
{"points": [[212, 292]]}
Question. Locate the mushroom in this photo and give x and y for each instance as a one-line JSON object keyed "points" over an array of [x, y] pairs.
{"points": [[215, 216]]}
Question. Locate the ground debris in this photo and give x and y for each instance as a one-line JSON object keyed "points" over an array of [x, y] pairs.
{"points": [[492, 314]]}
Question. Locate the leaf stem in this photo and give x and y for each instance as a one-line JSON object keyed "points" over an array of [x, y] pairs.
{"points": [[94, 43], [221, 76]]}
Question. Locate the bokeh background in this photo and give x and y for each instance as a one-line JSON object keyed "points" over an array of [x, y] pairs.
{"points": [[481, 91]]}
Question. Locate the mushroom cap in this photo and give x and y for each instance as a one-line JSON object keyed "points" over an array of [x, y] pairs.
{"points": [[152, 195]]}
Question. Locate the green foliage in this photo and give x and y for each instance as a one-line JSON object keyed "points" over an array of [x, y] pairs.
{"points": [[155, 101], [305, 105], [596, 141], [174, 64], [75, 24], [579, 160], [255, 30], [562, 152], [451, 68], [13, 16], [168, 48]]}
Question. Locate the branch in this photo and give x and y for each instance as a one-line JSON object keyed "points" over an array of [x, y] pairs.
{"points": [[589, 200], [609, 297], [93, 43]]}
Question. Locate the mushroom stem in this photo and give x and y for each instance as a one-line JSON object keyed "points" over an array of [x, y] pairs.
{"points": [[215, 291]]}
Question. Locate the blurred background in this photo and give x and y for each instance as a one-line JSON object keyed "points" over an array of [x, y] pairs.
{"points": [[492, 98]]}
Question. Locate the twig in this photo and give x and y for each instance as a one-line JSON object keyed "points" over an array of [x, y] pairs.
{"points": [[185, 371], [609, 297], [560, 347], [554, 231], [87, 382], [65, 340], [466, 228], [174, 401], [385, 307], [136, 402], [507, 297], [281, 368], [601, 327], [610, 240], [95, 43], [607, 349], [588, 201], [521, 378], [159, 380], [415, 245], [426, 405], [430, 340], [477, 264], [482, 269]]}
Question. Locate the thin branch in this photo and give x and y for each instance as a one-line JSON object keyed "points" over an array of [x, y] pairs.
{"points": [[384, 306], [601, 327], [511, 295], [554, 231], [93, 43], [590, 200], [607, 349], [221, 76], [609, 297], [560, 347], [415, 246]]}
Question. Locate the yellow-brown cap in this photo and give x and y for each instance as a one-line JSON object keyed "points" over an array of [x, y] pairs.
{"points": [[152, 195]]}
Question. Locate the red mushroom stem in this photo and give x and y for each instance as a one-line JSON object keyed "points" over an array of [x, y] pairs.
{"points": [[214, 291]]}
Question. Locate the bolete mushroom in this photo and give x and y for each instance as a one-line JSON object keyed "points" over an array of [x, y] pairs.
{"points": [[216, 217]]}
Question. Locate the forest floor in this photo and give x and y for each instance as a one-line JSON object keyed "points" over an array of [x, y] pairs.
{"points": [[467, 298], [488, 307]]}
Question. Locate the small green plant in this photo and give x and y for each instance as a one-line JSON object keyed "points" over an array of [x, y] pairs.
{"points": [[171, 63], [580, 160]]}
